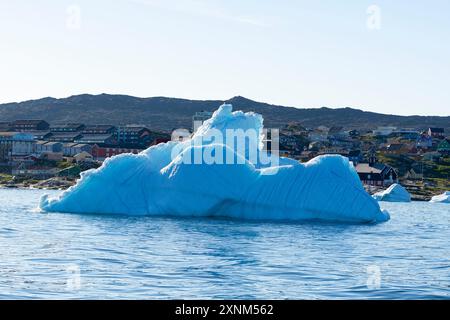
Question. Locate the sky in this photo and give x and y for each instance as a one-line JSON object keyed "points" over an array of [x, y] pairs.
{"points": [[383, 56]]}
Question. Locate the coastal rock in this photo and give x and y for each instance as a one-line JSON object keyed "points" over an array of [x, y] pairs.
{"points": [[163, 180], [442, 198], [395, 193]]}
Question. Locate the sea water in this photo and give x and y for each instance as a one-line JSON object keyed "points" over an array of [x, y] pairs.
{"points": [[76, 256]]}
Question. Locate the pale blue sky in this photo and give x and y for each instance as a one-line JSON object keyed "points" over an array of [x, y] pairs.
{"points": [[298, 53]]}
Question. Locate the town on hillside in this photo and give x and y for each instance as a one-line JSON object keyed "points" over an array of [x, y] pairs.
{"points": [[35, 153]]}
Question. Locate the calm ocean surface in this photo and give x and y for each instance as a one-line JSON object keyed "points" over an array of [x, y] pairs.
{"points": [[71, 256]]}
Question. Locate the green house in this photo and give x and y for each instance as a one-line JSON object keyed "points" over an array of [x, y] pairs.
{"points": [[444, 146]]}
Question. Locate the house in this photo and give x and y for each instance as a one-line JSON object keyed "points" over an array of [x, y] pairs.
{"points": [[68, 127], [15, 144], [51, 156], [354, 133], [64, 136], [337, 133], [376, 174], [424, 141], [290, 142], [316, 145], [413, 175], [83, 157], [35, 172], [134, 135], [99, 129], [384, 131], [436, 132], [48, 146], [27, 125], [406, 134], [395, 148], [101, 152], [96, 139], [72, 148], [199, 118], [319, 134], [5, 146], [40, 134], [355, 156], [23, 144], [444, 146], [5, 126]]}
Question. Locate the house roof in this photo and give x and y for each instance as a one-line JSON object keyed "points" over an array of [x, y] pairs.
{"points": [[57, 135], [98, 127], [95, 137], [133, 128], [19, 122], [366, 168], [437, 130], [7, 134], [73, 126]]}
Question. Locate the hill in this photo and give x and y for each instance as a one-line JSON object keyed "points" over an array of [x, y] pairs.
{"points": [[161, 113]]}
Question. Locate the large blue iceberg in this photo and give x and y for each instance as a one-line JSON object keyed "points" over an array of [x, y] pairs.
{"points": [[165, 180]]}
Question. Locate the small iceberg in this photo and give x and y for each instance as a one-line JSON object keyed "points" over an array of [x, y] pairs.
{"points": [[395, 193], [163, 180], [442, 198]]}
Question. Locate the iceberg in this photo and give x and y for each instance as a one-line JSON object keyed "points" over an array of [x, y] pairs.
{"points": [[395, 193], [168, 179], [442, 198]]}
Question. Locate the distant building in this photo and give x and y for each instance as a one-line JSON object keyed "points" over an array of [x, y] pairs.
{"points": [[384, 131], [394, 148], [376, 174], [5, 126], [15, 144], [68, 127], [319, 134], [72, 148], [64, 136], [83, 157], [199, 118], [35, 172], [444, 146], [103, 152], [424, 142], [48, 146], [39, 134], [337, 133], [354, 133], [96, 139], [26, 125], [436, 132], [134, 135], [99, 129], [413, 175]]}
